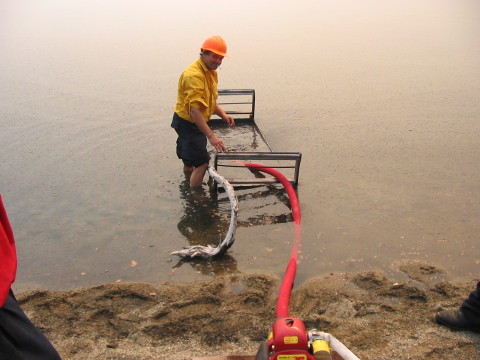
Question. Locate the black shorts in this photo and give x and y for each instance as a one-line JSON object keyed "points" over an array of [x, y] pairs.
{"points": [[19, 338], [191, 143]]}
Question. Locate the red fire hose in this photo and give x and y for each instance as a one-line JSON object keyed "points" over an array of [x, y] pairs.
{"points": [[289, 339], [289, 277]]}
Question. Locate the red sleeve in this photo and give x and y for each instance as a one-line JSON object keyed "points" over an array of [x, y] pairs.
{"points": [[8, 255]]}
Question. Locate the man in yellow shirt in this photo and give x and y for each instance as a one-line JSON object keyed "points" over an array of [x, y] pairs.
{"points": [[196, 102]]}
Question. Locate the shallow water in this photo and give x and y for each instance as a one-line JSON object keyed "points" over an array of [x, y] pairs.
{"points": [[380, 97]]}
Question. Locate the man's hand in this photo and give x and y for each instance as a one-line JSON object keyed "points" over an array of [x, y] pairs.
{"points": [[217, 143], [229, 120], [224, 116]]}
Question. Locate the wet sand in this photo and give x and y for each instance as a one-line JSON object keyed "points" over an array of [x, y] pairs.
{"points": [[375, 317]]}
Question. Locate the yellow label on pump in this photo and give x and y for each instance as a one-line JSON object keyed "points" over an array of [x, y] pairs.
{"points": [[292, 357], [290, 340], [320, 345]]}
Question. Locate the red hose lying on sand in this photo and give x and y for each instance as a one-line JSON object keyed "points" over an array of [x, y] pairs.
{"points": [[289, 277], [289, 339]]}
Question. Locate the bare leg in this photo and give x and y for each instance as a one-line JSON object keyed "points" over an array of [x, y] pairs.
{"points": [[198, 173], [187, 171]]}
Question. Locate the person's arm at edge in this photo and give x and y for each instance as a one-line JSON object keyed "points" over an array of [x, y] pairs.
{"points": [[8, 255]]}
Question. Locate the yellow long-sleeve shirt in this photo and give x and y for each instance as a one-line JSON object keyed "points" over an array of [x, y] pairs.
{"points": [[197, 87]]}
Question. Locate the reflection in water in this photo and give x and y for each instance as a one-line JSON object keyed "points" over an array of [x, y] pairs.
{"points": [[223, 266], [201, 223], [205, 220], [267, 217], [204, 223]]}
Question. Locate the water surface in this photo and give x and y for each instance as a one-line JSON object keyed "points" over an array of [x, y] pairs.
{"points": [[380, 97]]}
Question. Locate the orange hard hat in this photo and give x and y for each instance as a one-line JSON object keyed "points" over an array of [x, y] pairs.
{"points": [[216, 45]]}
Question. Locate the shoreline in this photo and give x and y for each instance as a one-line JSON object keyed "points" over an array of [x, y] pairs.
{"points": [[375, 317]]}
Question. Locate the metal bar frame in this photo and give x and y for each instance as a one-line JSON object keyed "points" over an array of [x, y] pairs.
{"points": [[239, 92], [296, 157]]}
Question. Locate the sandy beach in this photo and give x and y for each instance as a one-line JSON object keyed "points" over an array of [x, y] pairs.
{"points": [[375, 317]]}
